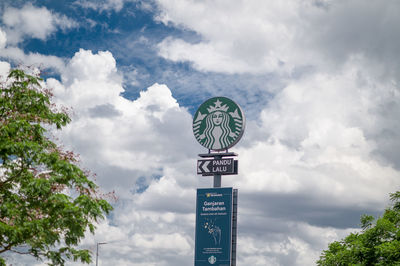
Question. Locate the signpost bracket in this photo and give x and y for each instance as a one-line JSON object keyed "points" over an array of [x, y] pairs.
{"points": [[218, 154]]}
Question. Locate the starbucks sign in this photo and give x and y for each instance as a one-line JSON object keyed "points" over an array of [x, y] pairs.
{"points": [[218, 124]]}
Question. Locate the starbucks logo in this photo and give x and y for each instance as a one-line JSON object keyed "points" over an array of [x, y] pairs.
{"points": [[218, 124], [212, 259]]}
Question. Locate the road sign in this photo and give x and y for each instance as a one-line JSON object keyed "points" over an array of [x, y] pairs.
{"points": [[213, 239], [226, 166], [218, 124]]}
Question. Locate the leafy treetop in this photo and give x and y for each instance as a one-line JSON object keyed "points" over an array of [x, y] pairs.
{"points": [[378, 243], [47, 202]]}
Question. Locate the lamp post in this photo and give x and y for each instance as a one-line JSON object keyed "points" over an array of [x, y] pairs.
{"points": [[97, 251]]}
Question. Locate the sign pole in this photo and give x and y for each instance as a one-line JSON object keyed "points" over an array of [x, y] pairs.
{"points": [[217, 178], [217, 181]]}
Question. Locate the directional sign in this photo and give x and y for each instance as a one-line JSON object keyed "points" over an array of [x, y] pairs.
{"points": [[217, 167]]}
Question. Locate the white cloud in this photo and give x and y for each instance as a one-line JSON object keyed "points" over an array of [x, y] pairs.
{"points": [[17, 56], [111, 5], [317, 141], [144, 136], [4, 69], [295, 247], [282, 36], [207, 57], [104, 5], [238, 37], [3, 39], [33, 22]]}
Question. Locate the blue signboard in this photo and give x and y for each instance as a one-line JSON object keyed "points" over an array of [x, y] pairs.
{"points": [[213, 227]]}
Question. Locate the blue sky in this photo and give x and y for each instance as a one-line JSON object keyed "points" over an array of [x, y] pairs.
{"points": [[317, 81]]}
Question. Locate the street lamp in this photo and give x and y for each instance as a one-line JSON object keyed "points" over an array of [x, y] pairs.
{"points": [[97, 250]]}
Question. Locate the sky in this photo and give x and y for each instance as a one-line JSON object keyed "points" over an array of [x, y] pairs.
{"points": [[318, 81]]}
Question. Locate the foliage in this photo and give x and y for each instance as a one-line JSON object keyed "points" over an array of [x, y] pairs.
{"points": [[378, 243], [47, 202]]}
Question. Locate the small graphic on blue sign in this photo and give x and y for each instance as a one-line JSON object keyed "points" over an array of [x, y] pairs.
{"points": [[212, 259], [213, 227]]}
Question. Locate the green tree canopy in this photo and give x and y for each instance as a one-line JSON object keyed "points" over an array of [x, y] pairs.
{"points": [[47, 202], [378, 242]]}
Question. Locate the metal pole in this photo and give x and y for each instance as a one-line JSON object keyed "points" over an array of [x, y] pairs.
{"points": [[217, 178], [97, 251], [217, 181]]}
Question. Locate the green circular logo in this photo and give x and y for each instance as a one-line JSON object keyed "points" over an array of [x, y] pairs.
{"points": [[218, 124]]}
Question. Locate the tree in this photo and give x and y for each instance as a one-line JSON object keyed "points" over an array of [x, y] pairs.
{"points": [[47, 202], [378, 242]]}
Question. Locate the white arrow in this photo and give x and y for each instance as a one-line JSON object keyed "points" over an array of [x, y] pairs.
{"points": [[202, 166]]}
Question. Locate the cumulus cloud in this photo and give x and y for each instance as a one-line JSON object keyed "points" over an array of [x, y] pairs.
{"points": [[249, 36], [264, 36], [140, 149], [311, 157], [134, 136], [33, 22]]}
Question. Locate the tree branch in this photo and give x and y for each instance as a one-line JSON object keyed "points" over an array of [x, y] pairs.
{"points": [[6, 248]]}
